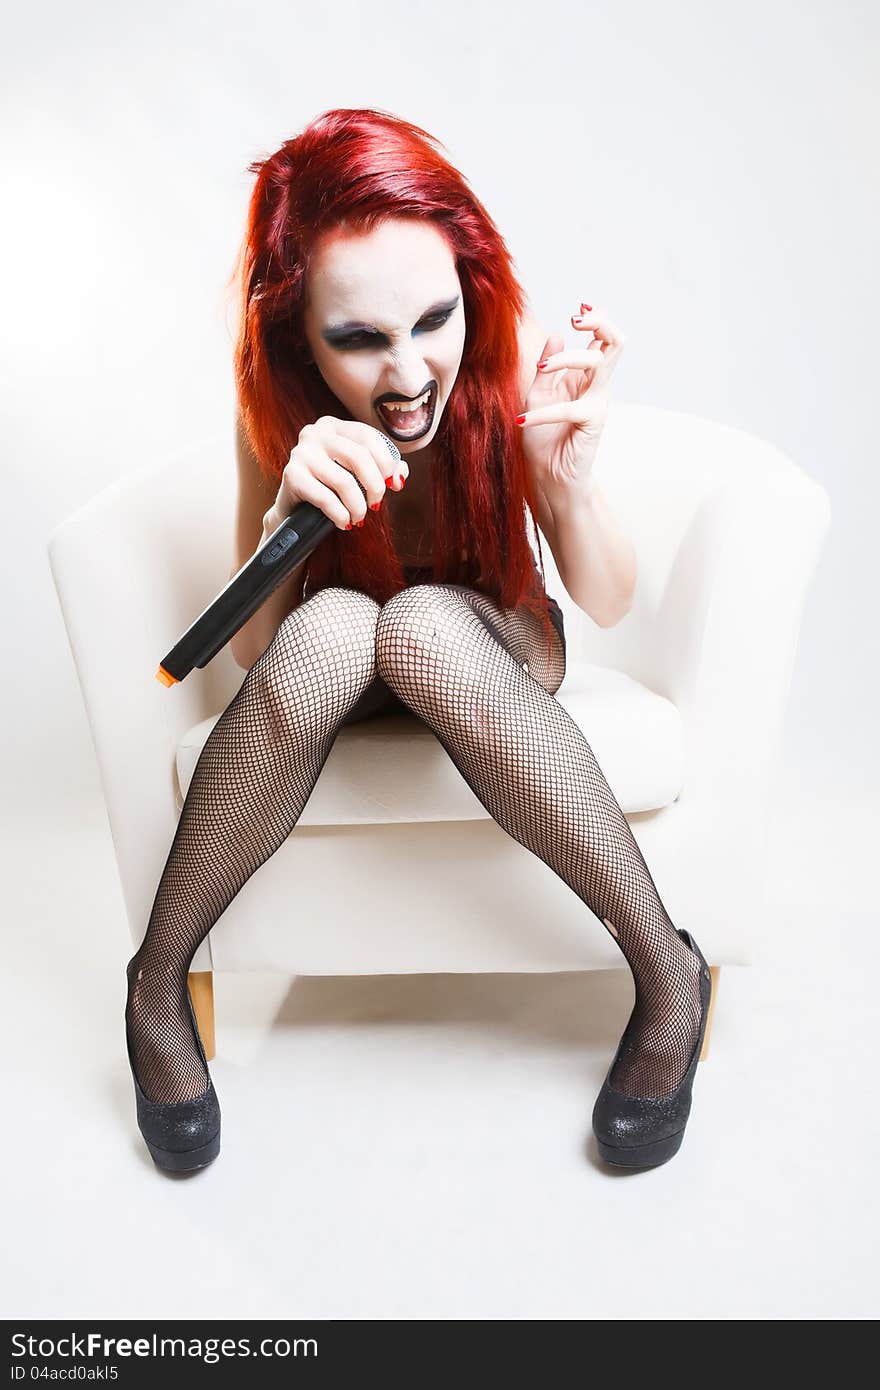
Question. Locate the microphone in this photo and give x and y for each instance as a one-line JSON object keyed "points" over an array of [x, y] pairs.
{"points": [[289, 544]]}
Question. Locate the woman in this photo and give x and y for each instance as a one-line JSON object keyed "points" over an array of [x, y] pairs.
{"points": [[372, 278]]}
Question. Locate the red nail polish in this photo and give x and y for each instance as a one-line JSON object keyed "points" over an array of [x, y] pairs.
{"points": [[374, 506], [389, 481], [359, 523], [520, 419], [348, 527], [543, 362], [586, 308]]}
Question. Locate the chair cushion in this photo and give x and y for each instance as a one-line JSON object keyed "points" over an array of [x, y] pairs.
{"points": [[392, 768]]}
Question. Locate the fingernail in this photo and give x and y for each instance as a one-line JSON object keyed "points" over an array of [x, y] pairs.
{"points": [[389, 481], [348, 527], [359, 523], [520, 419], [543, 362], [586, 308], [575, 318], [374, 506]]}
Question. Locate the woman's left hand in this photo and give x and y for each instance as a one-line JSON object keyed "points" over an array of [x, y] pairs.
{"points": [[567, 404]]}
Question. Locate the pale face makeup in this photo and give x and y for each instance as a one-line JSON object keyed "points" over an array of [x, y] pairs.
{"points": [[384, 319]]}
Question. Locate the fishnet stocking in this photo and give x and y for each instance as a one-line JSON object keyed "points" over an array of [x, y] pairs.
{"points": [[250, 784], [456, 659]]}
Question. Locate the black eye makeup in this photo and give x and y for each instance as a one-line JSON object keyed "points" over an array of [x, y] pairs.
{"points": [[363, 339], [343, 337]]}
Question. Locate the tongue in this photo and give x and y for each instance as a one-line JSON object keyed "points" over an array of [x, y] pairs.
{"points": [[406, 421]]}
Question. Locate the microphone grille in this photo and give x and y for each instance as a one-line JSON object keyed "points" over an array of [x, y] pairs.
{"points": [[392, 447]]}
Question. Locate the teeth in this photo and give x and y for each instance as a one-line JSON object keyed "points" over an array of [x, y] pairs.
{"points": [[407, 409]]}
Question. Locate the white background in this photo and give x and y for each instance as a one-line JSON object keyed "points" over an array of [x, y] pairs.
{"points": [[705, 172]]}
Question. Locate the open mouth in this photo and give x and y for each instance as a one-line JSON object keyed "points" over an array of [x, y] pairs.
{"points": [[412, 420]]}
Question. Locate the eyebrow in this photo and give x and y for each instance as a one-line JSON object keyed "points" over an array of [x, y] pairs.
{"points": [[334, 331]]}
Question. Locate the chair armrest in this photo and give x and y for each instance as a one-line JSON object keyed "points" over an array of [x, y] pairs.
{"points": [[726, 631], [126, 598], [727, 531]]}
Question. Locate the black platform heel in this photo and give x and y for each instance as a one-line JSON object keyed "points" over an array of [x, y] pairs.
{"points": [[180, 1135], [644, 1131]]}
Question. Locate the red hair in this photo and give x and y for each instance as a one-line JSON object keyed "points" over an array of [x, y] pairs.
{"points": [[359, 168]]}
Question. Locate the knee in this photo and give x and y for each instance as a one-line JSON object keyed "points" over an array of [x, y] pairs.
{"points": [[333, 629], [334, 609], [407, 629]]}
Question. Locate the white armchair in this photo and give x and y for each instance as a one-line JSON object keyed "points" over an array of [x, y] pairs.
{"points": [[682, 703]]}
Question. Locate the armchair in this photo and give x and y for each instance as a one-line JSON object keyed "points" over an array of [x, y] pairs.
{"points": [[682, 703]]}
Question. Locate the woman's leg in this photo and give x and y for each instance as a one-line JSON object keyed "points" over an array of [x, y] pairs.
{"points": [[250, 785], [456, 658]]}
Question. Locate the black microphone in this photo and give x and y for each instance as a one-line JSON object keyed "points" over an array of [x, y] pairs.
{"points": [[291, 543]]}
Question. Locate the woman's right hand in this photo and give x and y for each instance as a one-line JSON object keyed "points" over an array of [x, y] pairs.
{"points": [[325, 467]]}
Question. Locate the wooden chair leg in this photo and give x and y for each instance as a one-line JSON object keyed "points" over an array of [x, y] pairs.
{"points": [[715, 972], [201, 992]]}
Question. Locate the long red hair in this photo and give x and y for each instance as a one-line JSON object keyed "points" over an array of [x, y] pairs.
{"points": [[360, 167]]}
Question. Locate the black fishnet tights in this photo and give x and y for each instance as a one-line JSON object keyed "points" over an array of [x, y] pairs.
{"points": [[248, 790], [480, 677], [455, 658]]}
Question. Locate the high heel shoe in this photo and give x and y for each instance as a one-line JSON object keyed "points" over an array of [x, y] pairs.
{"points": [[180, 1135], [643, 1131]]}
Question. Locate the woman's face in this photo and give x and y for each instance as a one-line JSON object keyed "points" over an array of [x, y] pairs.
{"points": [[384, 321]]}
